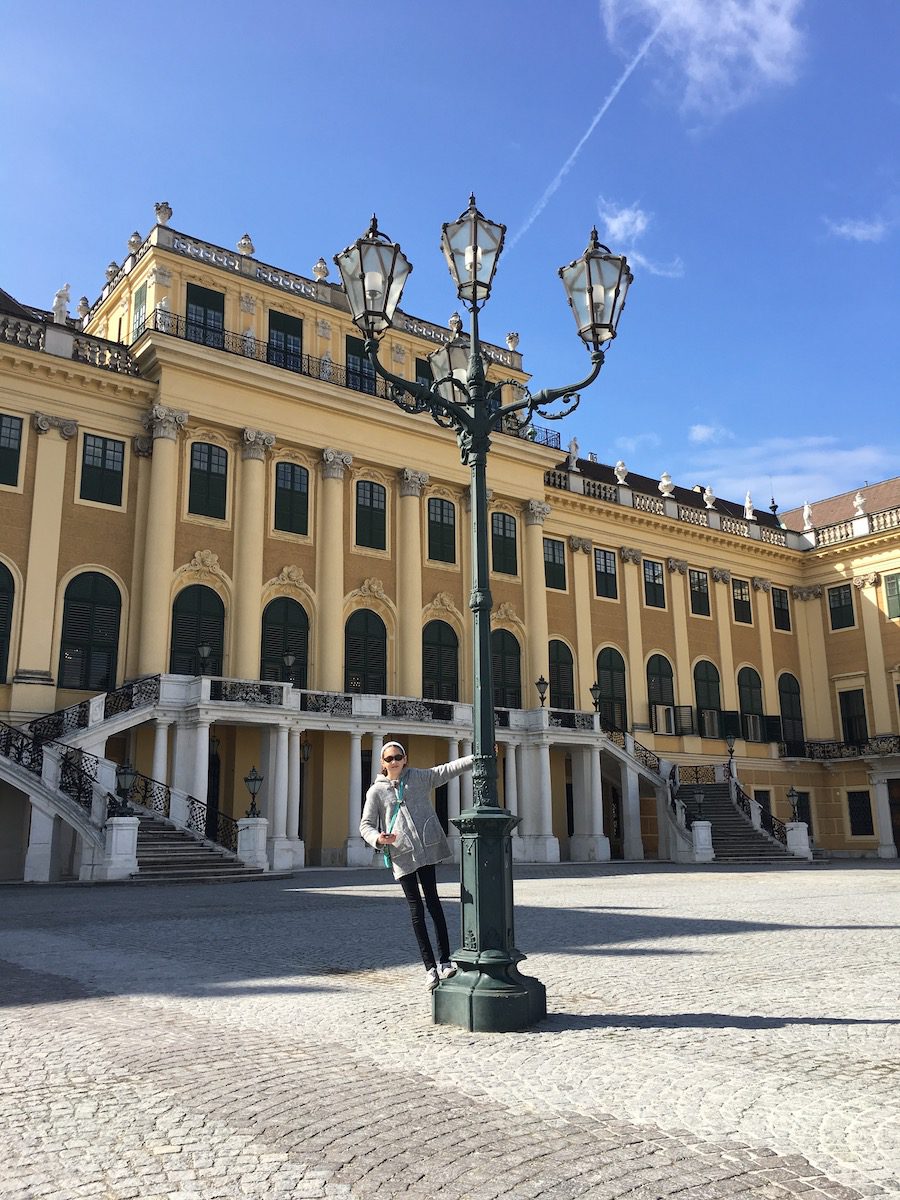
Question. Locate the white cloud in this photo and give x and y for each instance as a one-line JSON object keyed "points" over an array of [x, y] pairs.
{"points": [[859, 231], [700, 434], [721, 53], [640, 441], [623, 225]]}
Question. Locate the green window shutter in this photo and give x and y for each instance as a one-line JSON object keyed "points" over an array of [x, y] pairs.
{"points": [[291, 498], [605, 574], [198, 616], [285, 348], [365, 653], [660, 682], [503, 544], [371, 508], [208, 481], [859, 805], [10, 447], [555, 564], [285, 630], [441, 530], [699, 588], [440, 662], [562, 676], [102, 469], [506, 658], [892, 591], [360, 372], [7, 595], [139, 314], [90, 633]]}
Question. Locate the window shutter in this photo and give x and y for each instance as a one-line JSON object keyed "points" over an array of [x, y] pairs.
{"points": [[730, 722], [684, 719], [773, 729]]}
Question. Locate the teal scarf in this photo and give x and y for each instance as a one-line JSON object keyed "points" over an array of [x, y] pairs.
{"points": [[386, 854]]}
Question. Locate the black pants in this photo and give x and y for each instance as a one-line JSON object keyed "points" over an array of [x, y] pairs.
{"points": [[410, 884]]}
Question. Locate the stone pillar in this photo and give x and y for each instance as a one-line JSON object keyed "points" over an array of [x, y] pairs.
{"points": [[883, 828], [183, 765], [677, 569], [588, 843], [720, 600], [510, 782], [632, 584], [537, 651], [701, 839], [815, 687], [200, 774], [330, 543], [582, 587], [159, 769], [797, 839], [249, 539], [163, 424], [252, 842], [39, 864], [377, 747], [540, 844], [632, 844], [871, 620], [294, 833], [265, 797], [358, 852], [281, 854], [33, 688], [762, 601], [409, 582]]}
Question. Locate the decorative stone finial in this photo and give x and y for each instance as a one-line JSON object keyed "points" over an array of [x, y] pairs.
{"points": [[859, 505], [245, 245], [135, 242], [665, 485], [320, 270], [709, 497], [112, 271], [512, 341], [455, 323], [61, 305], [620, 471], [163, 212]]}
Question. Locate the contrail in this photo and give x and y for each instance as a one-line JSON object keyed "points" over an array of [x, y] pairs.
{"points": [[570, 161]]}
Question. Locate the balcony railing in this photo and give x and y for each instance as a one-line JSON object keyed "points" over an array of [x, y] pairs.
{"points": [[887, 743]]}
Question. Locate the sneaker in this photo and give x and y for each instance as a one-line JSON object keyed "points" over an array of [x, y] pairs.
{"points": [[447, 970], [431, 978]]}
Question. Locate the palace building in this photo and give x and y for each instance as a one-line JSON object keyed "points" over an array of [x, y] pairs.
{"points": [[223, 547]]}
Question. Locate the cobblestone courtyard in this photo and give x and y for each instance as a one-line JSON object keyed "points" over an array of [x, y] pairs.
{"points": [[713, 1033]]}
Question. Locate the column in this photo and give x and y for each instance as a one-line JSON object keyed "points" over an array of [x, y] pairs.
{"points": [[584, 636], [200, 774], [280, 852], [33, 688], [142, 465], [537, 651], [294, 833], [265, 800], [159, 769], [163, 424], [377, 747], [684, 681], [330, 569], [539, 843], [721, 602], [588, 844], [511, 796], [465, 780], [762, 605], [867, 602], [637, 676], [632, 844], [183, 766], [249, 539], [883, 828], [409, 581], [453, 795], [815, 687], [359, 853]]}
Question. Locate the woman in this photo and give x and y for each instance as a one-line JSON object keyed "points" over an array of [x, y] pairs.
{"points": [[398, 819]]}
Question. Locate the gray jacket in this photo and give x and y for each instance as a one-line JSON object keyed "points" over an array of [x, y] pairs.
{"points": [[420, 838]]}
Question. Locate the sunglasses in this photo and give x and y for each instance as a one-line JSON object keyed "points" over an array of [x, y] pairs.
{"points": [[391, 758]]}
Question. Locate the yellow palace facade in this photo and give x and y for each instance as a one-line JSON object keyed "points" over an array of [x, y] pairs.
{"points": [[222, 548]]}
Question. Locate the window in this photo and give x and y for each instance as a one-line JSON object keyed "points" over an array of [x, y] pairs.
{"points": [[892, 592], [740, 595], [205, 316], [781, 612], [440, 662], [360, 372], [285, 347], [853, 716], [198, 617], [654, 587], [699, 585], [365, 653], [507, 669], [611, 680], [90, 633], [555, 564], [7, 595], [424, 374], [709, 699], [441, 530], [371, 512], [840, 606], [791, 716], [562, 676], [291, 498], [503, 544], [139, 313], [10, 445], [102, 467], [209, 477], [763, 798], [605, 574], [285, 632], [804, 812], [751, 705], [859, 806], [661, 694]]}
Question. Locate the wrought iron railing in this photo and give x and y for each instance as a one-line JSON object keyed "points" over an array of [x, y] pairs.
{"points": [[150, 794], [210, 824], [335, 704], [244, 691], [78, 775], [416, 710], [501, 718], [138, 693], [57, 724], [771, 824], [613, 732], [696, 773], [564, 718], [884, 743], [646, 757], [20, 747]]}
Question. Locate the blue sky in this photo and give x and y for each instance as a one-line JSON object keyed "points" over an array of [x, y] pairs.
{"points": [[743, 153]]}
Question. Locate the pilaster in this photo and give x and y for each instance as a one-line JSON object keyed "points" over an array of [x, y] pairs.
{"points": [[537, 650], [409, 581], [249, 539], [330, 569], [584, 638]]}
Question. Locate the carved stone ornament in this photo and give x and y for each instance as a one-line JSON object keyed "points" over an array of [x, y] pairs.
{"points": [[290, 574], [859, 505], [629, 554], [871, 580], [398, 353], [709, 497], [142, 446], [248, 303], [411, 482], [512, 340], [371, 587], [677, 564], [505, 612], [443, 600], [135, 242], [620, 471], [320, 270], [455, 323], [577, 543], [84, 307], [807, 593], [41, 423], [164, 422], [205, 562], [161, 276], [665, 485], [163, 212], [335, 463], [111, 271], [256, 443], [323, 328], [760, 584], [721, 575], [536, 512], [245, 245]]}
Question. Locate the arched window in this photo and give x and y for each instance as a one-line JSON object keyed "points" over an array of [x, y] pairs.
{"points": [[198, 618], [7, 595], [285, 631], [562, 676], [506, 660], [791, 715], [90, 633], [750, 700], [661, 694], [611, 678], [709, 699], [365, 653], [440, 662]]}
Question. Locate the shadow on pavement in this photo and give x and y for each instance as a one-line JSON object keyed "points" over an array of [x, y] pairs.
{"points": [[560, 1022]]}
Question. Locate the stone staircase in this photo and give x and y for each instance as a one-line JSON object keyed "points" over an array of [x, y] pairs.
{"points": [[167, 854], [734, 838]]}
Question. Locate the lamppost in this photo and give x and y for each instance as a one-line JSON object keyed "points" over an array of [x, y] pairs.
{"points": [[204, 650], [698, 801], [254, 783], [541, 685], [289, 659], [793, 799], [595, 695], [488, 992], [729, 742]]}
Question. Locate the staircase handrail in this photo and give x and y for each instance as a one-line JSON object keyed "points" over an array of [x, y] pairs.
{"points": [[621, 738], [768, 822], [155, 796], [680, 813], [79, 772], [136, 693]]}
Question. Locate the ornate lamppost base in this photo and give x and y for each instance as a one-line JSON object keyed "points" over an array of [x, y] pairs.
{"points": [[488, 994]]}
